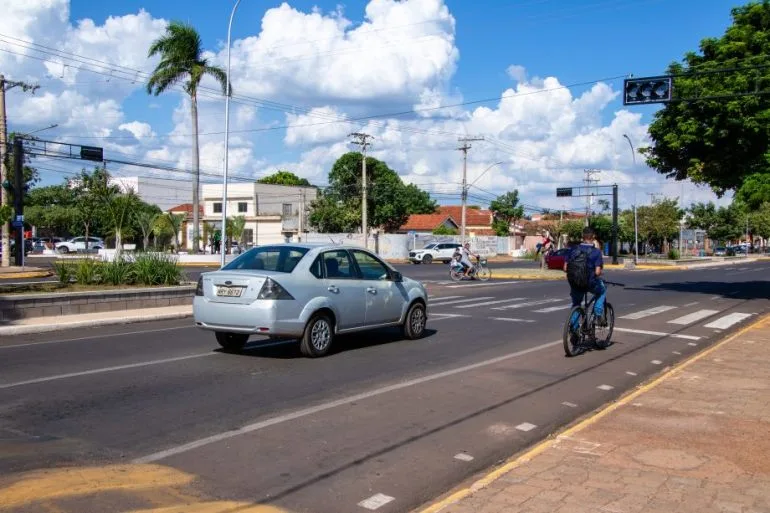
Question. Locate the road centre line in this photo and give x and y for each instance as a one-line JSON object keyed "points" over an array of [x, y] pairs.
{"points": [[486, 303], [102, 370], [280, 419], [92, 337], [458, 301], [483, 284]]}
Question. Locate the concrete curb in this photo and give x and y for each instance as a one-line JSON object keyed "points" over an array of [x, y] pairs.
{"points": [[90, 323], [494, 474]]}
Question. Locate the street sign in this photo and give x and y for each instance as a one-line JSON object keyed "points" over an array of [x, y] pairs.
{"points": [[19, 218], [411, 232], [563, 191], [92, 153], [647, 90]]}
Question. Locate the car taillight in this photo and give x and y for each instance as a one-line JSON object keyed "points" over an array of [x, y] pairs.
{"points": [[199, 288], [272, 290]]}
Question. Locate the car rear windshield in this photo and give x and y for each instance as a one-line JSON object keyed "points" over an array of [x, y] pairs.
{"points": [[282, 259]]}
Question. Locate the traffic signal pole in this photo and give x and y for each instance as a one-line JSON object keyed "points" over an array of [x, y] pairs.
{"points": [[18, 198]]}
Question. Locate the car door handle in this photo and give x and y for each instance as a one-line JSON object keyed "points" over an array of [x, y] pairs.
{"points": [[333, 288], [371, 290]]}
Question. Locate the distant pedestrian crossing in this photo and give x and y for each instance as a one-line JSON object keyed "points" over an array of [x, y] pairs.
{"points": [[529, 310]]}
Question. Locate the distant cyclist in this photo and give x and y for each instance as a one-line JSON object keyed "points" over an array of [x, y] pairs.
{"points": [[584, 266]]}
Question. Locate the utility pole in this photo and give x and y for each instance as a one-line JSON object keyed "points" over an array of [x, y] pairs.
{"points": [[18, 197], [589, 199], [301, 214], [464, 195], [615, 224], [361, 141], [7, 85]]}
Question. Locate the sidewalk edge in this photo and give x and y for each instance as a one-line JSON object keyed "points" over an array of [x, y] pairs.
{"points": [[580, 424], [91, 323]]}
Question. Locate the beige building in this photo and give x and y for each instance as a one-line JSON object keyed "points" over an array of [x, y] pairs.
{"points": [[274, 213]]}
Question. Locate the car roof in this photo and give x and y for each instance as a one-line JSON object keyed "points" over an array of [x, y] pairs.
{"points": [[320, 246]]}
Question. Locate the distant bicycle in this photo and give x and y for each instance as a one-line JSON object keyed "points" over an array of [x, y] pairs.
{"points": [[480, 270], [583, 331]]}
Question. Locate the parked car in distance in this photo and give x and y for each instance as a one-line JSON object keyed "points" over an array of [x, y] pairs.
{"points": [[311, 292], [556, 259], [720, 251], [442, 251], [76, 244]]}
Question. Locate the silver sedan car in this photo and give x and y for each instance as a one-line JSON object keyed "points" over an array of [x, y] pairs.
{"points": [[306, 291]]}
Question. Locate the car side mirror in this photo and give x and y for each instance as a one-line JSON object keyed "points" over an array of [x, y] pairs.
{"points": [[397, 277]]}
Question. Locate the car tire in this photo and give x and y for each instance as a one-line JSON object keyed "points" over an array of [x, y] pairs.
{"points": [[231, 341], [318, 336], [414, 324], [427, 259], [63, 250]]}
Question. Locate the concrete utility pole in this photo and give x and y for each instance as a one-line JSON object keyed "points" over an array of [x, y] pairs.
{"points": [[301, 214], [361, 141], [6, 85], [464, 195], [589, 199]]}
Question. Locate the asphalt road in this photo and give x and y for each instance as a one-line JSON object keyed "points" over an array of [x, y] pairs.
{"points": [[390, 421]]}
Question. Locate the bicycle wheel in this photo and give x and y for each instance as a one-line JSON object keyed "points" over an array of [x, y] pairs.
{"points": [[603, 334], [455, 275], [573, 328], [484, 274]]}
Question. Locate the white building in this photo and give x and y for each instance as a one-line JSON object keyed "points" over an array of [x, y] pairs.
{"points": [[163, 192], [272, 212]]}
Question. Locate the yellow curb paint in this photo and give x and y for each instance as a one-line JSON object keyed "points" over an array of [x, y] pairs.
{"points": [[36, 274], [496, 474]]}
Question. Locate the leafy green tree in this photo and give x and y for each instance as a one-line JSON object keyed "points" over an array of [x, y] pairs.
{"points": [[90, 191], [659, 223], [145, 220], [120, 209], [52, 210], [234, 229], [284, 178], [506, 210], [444, 230], [6, 213], [389, 201], [181, 60], [573, 229], [755, 191], [759, 221], [173, 223], [723, 140]]}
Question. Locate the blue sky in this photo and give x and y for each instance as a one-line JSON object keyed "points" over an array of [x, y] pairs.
{"points": [[571, 41]]}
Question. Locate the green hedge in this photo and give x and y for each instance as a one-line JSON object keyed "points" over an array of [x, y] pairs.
{"points": [[141, 269]]}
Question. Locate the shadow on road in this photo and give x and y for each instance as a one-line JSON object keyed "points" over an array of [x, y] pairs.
{"points": [[287, 349], [744, 290]]}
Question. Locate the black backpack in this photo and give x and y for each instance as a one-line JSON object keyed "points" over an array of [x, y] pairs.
{"points": [[577, 269]]}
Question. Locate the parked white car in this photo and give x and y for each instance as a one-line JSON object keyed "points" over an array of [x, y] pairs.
{"points": [[442, 251], [309, 292], [76, 244]]}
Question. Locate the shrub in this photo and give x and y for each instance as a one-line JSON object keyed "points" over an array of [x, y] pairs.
{"points": [[157, 269], [88, 271], [673, 254], [118, 272], [64, 271]]}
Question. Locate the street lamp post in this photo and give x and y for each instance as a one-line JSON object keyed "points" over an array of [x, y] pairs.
{"points": [[227, 134], [636, 223]]}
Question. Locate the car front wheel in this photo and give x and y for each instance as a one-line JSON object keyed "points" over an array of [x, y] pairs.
{"points": [[414, 324], [231, 341], [427, 259], [317, 339]]}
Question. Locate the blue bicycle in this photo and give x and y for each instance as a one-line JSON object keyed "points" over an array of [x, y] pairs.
{"points": [[583, 330]]}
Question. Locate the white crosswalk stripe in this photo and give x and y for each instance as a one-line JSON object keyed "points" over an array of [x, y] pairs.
{"points": [[510, 319], [444, 298], [728, 320], [524, 305], [458, 301], [693, 317], [497, 302], [647, 313], [554, 308]]}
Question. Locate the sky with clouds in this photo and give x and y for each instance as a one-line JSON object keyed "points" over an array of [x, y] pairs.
{"points": [[539, 80]]}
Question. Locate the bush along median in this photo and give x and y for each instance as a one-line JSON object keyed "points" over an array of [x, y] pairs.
{"points": [[146, 269]]}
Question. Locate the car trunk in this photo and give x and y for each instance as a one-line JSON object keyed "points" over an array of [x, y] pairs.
{"points": [[233, 287]]}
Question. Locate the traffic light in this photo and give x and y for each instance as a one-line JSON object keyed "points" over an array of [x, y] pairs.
{"points": [[563, 191], [92, 153], [647, 90]]}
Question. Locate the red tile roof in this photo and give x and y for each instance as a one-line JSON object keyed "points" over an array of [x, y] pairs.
{"points": [[425, 222], [186, 208], [473, 216]]}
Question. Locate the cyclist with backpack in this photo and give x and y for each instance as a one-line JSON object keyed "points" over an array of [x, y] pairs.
{"points": [[584, 266]]}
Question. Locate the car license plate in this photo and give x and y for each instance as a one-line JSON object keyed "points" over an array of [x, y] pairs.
{"points": [[229, 291]]}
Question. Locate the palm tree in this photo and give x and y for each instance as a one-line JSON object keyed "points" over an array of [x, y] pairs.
{"points": [[146, 221], [234, 230], [181, 61], [174, 223]]}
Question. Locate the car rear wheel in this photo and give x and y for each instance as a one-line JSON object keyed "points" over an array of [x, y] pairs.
{"points": [[317, 339], [427, 259], [231, 341], [414, 324], [63, 249]]}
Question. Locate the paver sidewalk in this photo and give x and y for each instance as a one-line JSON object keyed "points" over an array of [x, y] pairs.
{"points": [[697, 440]]}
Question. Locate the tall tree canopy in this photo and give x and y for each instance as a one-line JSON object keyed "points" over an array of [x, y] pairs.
{"points": [[506, 210], [181, 60], [723, 140], [283, 178], [389, 201]]}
